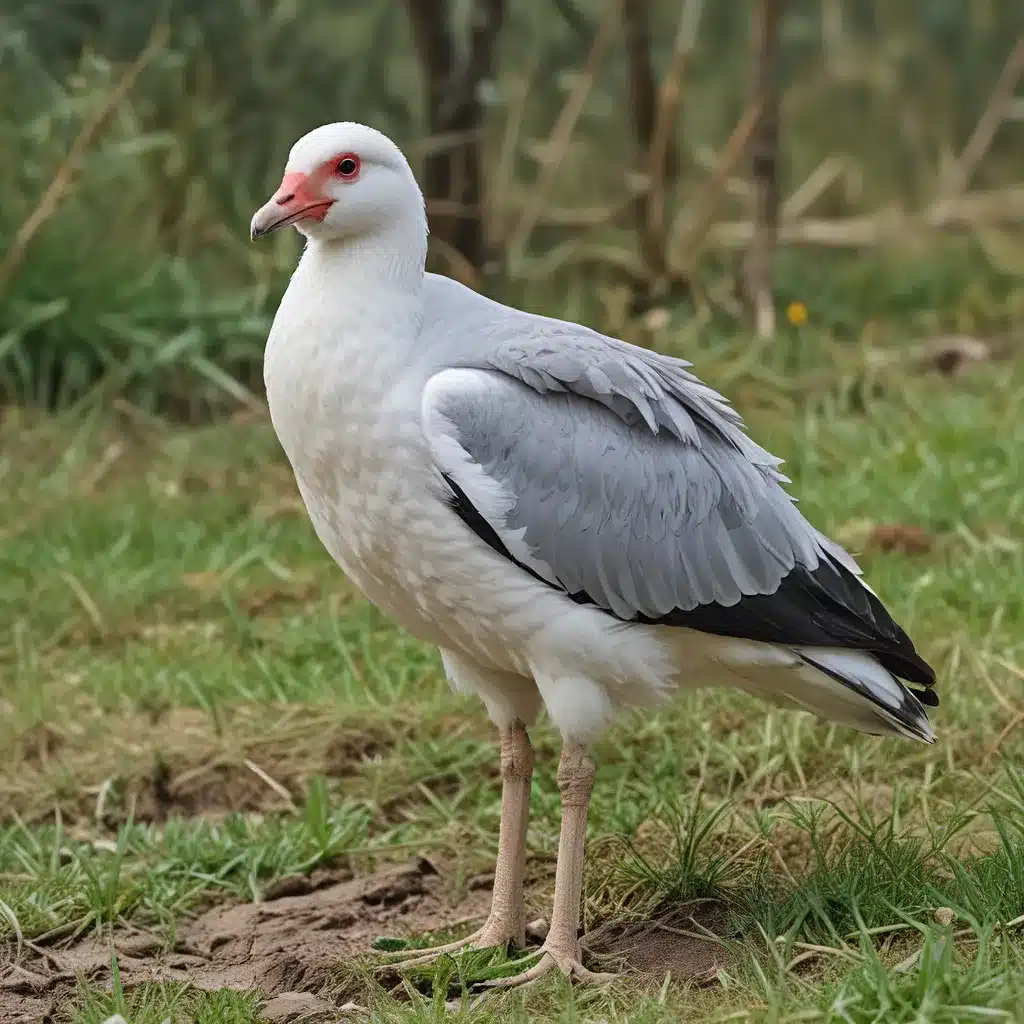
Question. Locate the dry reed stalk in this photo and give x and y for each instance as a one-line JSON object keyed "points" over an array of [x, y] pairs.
{"points": [[574, 252], [592, 216], [706, 158], [441, 142], [451, 208], [971, 211], [62, 178], [561, 136], [683, 253], [814, 186], [669, 99], [764, 147], [454, 76], [996, 110], [497, 212], [461, 269], [582, 217], [644, 97]]}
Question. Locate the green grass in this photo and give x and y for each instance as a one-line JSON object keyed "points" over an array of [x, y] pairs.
{"points": [[156, 1003], [55, 884], [194, 704]]}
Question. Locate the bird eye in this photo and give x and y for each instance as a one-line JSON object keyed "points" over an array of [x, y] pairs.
{"points": [[348, 167]]}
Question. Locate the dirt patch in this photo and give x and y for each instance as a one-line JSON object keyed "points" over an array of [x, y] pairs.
{"points": [[166, 762], [38, 745], [683, 944], [287, 944], [347, 751], [217, 787], [290, 945], [910, 539]]}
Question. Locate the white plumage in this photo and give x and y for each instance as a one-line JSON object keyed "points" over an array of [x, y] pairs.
{"points": [[573, 521]]}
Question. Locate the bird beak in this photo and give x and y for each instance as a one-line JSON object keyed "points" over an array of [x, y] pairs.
{"points": [[297, 198]]}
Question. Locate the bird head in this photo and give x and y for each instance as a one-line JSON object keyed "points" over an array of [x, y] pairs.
{"points": [[341, 181]]}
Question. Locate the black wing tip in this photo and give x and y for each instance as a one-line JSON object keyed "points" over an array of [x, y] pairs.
{"points": [[879, 633], [812, 603], [928, 696], [904, 662], [908, 718], [827, 606]]}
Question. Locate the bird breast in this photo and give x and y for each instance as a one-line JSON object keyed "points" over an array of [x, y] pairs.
{"points": [[349, 423]]}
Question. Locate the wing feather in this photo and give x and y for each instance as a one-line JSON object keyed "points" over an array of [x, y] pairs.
{"points": [[631, 485]]}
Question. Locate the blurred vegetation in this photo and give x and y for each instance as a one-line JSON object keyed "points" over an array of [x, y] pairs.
{"points": [[143, 279]]}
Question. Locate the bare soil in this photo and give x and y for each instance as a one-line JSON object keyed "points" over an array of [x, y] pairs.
{"points": [[290, 945], [684, 943], [171, 762]]}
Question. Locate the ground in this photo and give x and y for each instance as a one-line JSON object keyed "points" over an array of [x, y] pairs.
{"points": [[224, 776]]}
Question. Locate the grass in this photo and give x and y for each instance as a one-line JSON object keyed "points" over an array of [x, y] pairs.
{"points": [[195, 705], [55, 883], [155, 1004]]}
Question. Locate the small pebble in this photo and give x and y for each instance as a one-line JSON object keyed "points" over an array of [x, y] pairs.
{"points": [[944, 916], [537, 929]]}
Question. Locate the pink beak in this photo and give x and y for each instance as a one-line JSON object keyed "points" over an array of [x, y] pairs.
{"points": [[297, 198]]}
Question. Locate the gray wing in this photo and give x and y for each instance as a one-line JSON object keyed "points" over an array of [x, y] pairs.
{"points": [[613, 474], [643, 523]]}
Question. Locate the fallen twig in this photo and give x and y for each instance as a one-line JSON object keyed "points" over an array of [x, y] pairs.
{"points": [[561, 135], [973, 210], [996, 111]]}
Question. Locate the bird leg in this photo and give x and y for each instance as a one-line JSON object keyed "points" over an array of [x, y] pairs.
{"points": [[507, 919], [561, 949]]}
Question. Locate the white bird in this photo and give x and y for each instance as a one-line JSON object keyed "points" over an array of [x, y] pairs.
{"points": [[574, 521]]}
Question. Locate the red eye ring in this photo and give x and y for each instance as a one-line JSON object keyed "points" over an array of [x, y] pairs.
{"points": [[347, 166]]}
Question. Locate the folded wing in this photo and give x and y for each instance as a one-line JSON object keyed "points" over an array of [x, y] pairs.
{"points": [[615, 476]]}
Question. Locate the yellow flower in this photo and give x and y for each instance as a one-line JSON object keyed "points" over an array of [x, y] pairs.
{"points": [[796, 313]]}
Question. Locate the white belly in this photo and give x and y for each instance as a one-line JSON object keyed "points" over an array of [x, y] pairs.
{"points": [[363, 524]]}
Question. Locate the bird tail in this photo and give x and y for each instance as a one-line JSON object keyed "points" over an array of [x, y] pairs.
{"points": [[854, 688]]}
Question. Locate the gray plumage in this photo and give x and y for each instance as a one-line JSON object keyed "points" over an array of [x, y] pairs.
{"points": [[619, 478], [633, 481]]}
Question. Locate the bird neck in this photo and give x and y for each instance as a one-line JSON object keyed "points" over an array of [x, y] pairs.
{"points": [[356, 299], [389, 261]]}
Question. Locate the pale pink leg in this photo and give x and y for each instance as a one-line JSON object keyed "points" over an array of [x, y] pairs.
{"points": [[507, 919], [561, 949]]}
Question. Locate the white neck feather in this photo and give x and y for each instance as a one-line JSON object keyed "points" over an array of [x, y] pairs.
{"points": [[344, 290], [346, 329], [390, 259]]}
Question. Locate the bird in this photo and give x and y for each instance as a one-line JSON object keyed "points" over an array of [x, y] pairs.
{"points": [[577, 523]]}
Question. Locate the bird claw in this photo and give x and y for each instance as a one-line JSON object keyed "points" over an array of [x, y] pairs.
{"points": [[551, 958], [487, 937]]}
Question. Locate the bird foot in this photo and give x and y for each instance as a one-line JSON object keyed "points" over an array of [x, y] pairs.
{"points": [[492, 934], [563, 957]]}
